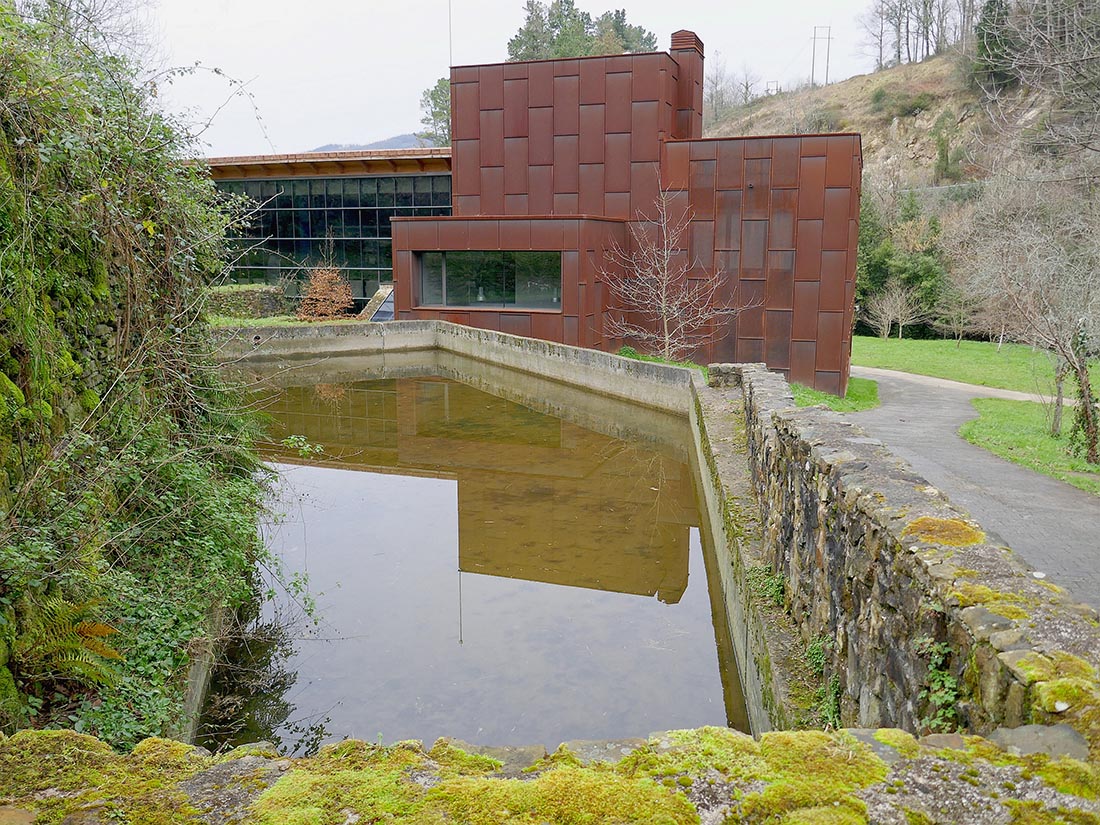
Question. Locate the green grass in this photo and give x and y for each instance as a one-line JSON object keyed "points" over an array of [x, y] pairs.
{"points": [[240, 287], [1019, 431], [630, 352], [862, 395], [1015, 367]]}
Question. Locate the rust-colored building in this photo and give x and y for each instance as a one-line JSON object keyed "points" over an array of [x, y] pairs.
{"points": [[553, 160]]}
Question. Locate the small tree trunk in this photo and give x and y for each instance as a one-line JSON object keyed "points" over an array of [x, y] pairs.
{"points": [[1059, 398], [1001, 338], [1086, 409]]}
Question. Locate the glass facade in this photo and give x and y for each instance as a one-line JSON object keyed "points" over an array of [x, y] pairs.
{"points": [[300, 222], [523, 279]]}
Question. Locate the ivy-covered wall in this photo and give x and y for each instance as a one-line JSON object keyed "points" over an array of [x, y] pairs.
{"points": [[127, 490]]}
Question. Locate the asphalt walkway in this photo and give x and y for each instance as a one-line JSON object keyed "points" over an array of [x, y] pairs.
{"points": [[1053, 526]]}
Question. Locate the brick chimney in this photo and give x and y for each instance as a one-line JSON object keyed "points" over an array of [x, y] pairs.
{"points": [[687, 51]]}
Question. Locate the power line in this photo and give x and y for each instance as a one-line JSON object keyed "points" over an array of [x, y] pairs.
{"points": [[828, 38]]}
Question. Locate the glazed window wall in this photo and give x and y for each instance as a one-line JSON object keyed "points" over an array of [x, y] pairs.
{"points": [[520, 280], [300, 222]]}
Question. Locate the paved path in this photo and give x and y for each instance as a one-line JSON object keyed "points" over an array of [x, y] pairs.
{"points": [[1053, 526]]}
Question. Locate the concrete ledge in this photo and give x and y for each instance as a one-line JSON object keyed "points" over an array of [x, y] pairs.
{"points": [[928, 625]]}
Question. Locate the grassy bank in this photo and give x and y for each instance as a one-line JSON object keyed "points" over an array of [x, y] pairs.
{"points": [[1013, 367], [862, 395], [1019, 431]]}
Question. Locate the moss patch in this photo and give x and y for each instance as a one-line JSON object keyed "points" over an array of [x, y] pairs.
{"points": [[904, 743], [953, 532], [1009, 605]]}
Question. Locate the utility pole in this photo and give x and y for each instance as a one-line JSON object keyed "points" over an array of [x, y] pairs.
{"points": [[772, 88], [827, 37]]}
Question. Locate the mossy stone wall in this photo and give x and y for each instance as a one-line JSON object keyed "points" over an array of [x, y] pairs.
{"points": [[247, 301], [929, 624]]}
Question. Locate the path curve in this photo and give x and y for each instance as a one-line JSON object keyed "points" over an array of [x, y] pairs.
{"points": [[1053, 526]]}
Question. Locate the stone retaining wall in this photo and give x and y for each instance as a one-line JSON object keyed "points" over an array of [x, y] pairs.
{"points": [[247, 301], [927, 623]]}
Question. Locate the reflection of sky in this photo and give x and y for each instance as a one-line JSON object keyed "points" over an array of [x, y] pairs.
{"points": [[538, 663]]}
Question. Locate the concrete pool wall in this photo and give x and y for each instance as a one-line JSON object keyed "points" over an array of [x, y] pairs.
{"points": [[894, 587]]}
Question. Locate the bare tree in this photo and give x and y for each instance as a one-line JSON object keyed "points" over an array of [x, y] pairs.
{"points": [[896, 304], [747, 82], [719, 93], [1035, 246], [664, 301]]}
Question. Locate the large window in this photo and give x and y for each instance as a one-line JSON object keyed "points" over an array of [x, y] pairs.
{"points": [[459, 278], [300, 222]]}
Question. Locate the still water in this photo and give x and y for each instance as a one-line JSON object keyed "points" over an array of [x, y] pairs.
{"points": [[481, 570]]}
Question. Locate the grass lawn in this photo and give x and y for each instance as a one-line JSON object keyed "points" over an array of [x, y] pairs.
{"points": [[1019, 432], [630, 352], [862, 395], [1015, 367]]}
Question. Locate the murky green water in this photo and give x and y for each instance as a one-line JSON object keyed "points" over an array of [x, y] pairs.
{"points": [[481, 570]]}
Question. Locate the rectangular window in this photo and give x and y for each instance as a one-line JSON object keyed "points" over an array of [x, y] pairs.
{"points": [[470, 278]]}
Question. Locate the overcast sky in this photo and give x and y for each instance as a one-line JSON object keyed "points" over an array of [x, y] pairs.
{"points": [[352, 71]]}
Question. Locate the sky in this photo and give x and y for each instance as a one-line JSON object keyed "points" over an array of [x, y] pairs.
{"points": [[352, 71]]}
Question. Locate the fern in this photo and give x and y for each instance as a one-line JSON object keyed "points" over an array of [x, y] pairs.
{"points": [[58, 639]]}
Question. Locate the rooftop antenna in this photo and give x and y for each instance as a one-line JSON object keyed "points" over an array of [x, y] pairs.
{"points": [[450, 39]]}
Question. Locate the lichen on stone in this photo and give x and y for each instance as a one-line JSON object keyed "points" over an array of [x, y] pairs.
{"points": [[953, 532]]}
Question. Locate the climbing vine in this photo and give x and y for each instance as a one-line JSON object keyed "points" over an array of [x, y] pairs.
{"points": [[128, 491]]}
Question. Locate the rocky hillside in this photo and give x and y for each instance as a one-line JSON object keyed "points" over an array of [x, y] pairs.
{"points": [[904, 114]]}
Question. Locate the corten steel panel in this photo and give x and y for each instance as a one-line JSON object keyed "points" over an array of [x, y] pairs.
{"points": [[701, 235], [592, 133], [492, 138], [454, 235], [784, 206], [592, 81], [780, 280], [540, 84], [832, 297], [465, 120], [420, 235], [547, 234], [542, 136], [750, 350], [754, 248], [646, 69], [675, 165], [786, 156], [838, 164], [566, 164], [567, 105], [515, 166], [617, 163], [644, 145], [513, 71], [566, 203], [540, 179], [515, 323], [491, 87], [811, 193], [566, 67], [703, 149], [516, 123], [644, 188], [805, 310], [731, 161], [570, 234], [777, 339], [701, 188], [515, 234], [729, 262], [591, 201], [618, 111], [546, 326], [517, 205], [466, 205], [835, 231], [617, 205], [814, 146], [803, 362], [569, 326], [757, 148], [484, 234], [750, 322], [807, 261], [492, 190], [466, 176], [464, 74], [727, 219], [757, 191], [830, 329], [828, 382]]}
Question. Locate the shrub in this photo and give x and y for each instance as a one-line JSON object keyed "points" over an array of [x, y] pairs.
{"points": [[327, 295]]}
